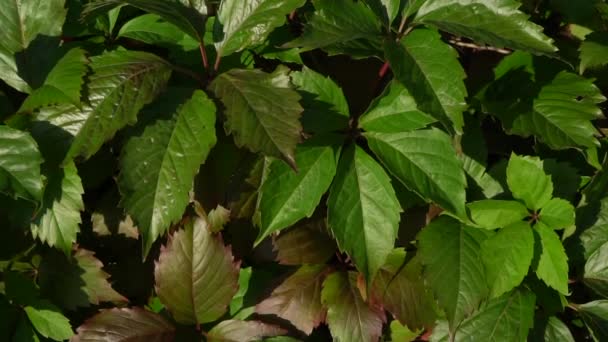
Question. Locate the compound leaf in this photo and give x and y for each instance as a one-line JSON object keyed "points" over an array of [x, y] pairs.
{"points": [[553, 263]]}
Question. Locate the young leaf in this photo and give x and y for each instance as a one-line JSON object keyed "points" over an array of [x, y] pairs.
{"points": [[507, 257], [363, 211], [22, 22], [58, 220], [305, 243], [337, 24], [126, 324], [349, 317], [451, 255], [243, 24], [400, 289], [426, 162], [76, 282], [262, 111], [595, 316], [596, 271], [19, 164], [298, 299], [189, 16], [553, 263], [121, 84], [495, 22], [394, 111], [557, 214], [196, 275], [528, 182], [593, 51], [430, 70], [492, 214], [556, 330], [506, 319], [158, 166], [325, 107], [151, 29], [242, 331], [562, 112], [49, 321], [286, 196]]}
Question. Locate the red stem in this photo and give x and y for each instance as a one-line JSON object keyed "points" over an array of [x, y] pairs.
{"points": [[201, 47], [384, 69]]}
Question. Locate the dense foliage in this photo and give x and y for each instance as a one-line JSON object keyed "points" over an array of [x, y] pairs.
{"points": [[293, 170]]}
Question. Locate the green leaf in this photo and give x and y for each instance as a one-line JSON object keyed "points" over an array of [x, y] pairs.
{"points": [[504, 319], [121, 84], [562, 113], [349, 317], [287, 196], [595, 316], [305, 243], [528, 182], [325, 107], [19, 164], [507, 257], [25, 332], [596, 271], [196, 275], [430, 70], [399, 287], [594, 226], [298, 299], [553, 263], [394, 111], [76, 282], [48, 321], [425, 162], [262, 111], [363, 211], [151, 29], [22, 23], [593, 51], [126, 324], [401, 333], [189, 16], [242, 331], [237, 302], [340, 25], [557, 214], [63, 83], [492, 214], [451, 255], [386, 10], [158, 166], [58, 220], [557, 331], [243, 24], [495, 22]]}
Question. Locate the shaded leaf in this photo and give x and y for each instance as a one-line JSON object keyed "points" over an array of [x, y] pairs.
{"points": [[507, 257], [218, 218], [126, 324], [196, 275], [451, 255], [242, 331], [363, 211], [425, 162], [19, 164], [394, 111], [262, 111], [492, 214], [596, 271], [306, 243], [151, 29], [401, 333], [557, 214], [242, 24], [399, 287], [49, 321], [553, 263], [58, 220], [594, 221], [430, 70], [237, 302], [349, 317], [76, 282], [286, 196], [158, 166], [495, 22], [298, 298], [528, 182], [593, 51], [595, 316], [25, 332], [557, 331]]}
